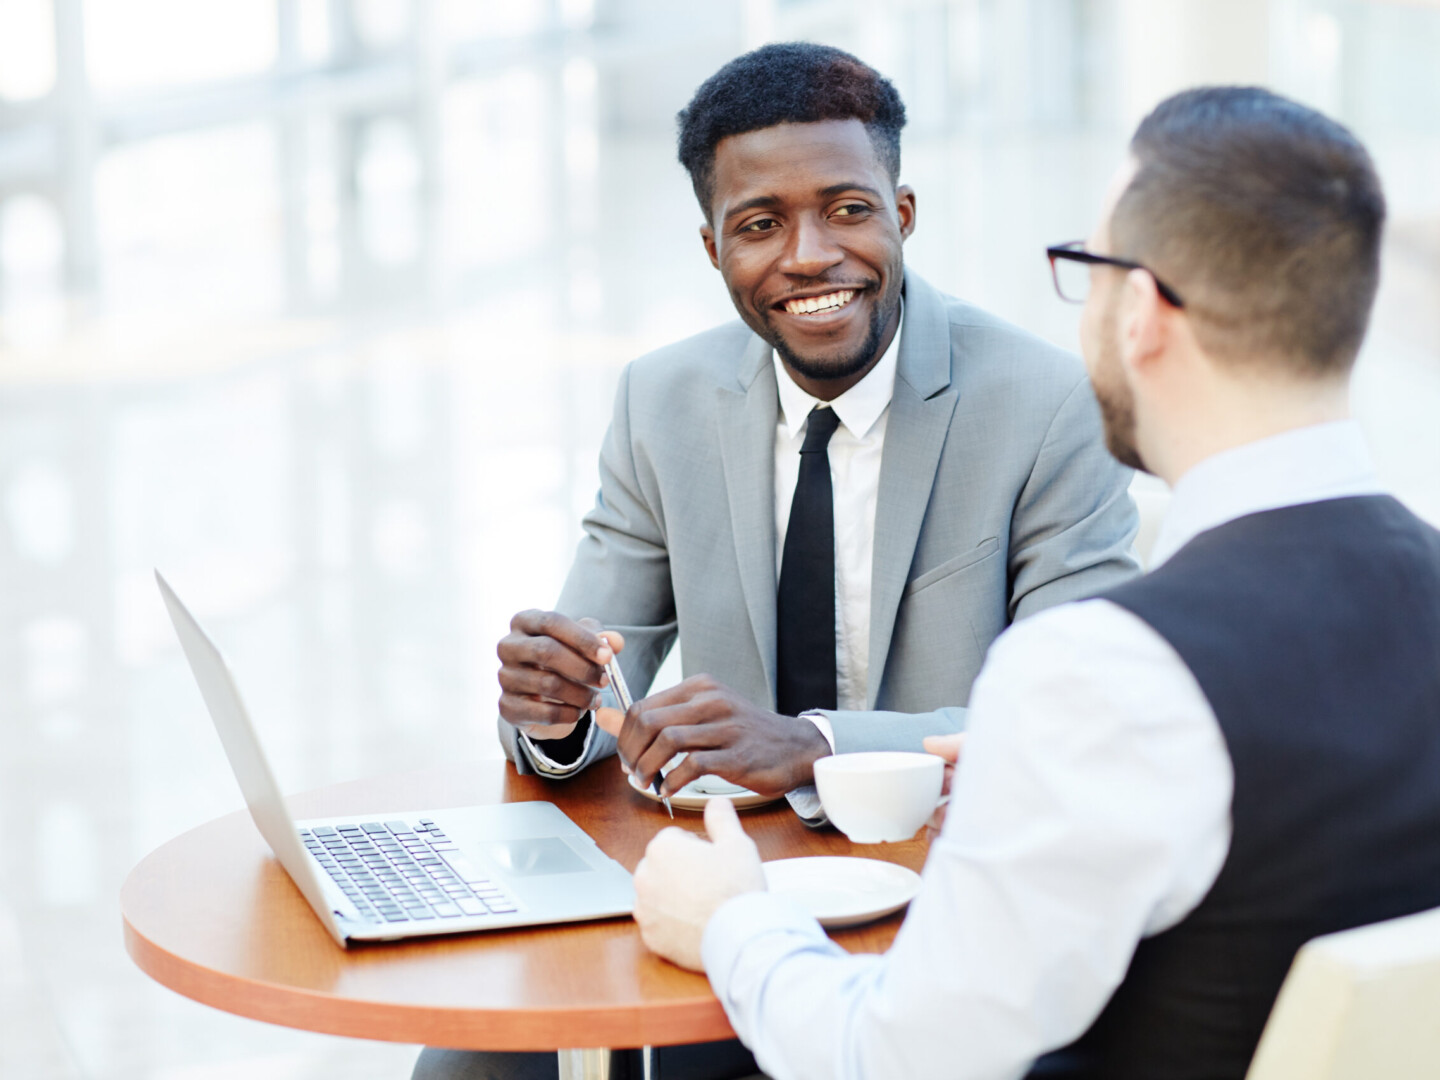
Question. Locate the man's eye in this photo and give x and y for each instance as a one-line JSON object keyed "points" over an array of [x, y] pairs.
{"points": [[762, 225], [851, 210]]}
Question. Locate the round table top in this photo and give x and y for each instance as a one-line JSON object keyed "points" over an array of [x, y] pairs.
{"points": [[213, 916]]}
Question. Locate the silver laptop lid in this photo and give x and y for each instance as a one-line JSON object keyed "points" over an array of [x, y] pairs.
{"points": [[242, 746]]}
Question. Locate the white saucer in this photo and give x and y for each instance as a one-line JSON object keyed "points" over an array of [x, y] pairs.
{"points": [[843, 890], [694, 796]]}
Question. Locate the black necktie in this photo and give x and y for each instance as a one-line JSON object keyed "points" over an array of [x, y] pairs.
{"points": [[805, 605]]}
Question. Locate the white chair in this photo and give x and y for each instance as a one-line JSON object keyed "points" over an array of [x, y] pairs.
{"points": [[1359, 1005]]}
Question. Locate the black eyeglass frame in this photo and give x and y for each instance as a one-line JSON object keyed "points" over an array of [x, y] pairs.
{"points": [[1074, 251]]}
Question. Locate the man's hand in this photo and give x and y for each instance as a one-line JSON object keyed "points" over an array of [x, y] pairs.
{"points": [[722, 734], [551, 671], [947, 747], [683, 879]]}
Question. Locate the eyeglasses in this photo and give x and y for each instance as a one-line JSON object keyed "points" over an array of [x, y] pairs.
{"points": [[1070, 266]]}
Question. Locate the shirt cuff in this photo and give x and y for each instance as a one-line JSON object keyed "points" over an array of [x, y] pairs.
{"points": [[548, 766], [805, 801], [775, 925], [821, 721]]}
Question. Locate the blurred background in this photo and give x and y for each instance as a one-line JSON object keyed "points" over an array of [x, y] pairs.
{"points": [[318, 306]]}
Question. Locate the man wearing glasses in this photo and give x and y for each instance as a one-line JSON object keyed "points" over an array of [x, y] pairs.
{"points": [[1166, 790]]}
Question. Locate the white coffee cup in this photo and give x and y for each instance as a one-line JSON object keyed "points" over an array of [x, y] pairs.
{"points": [[879, 796]]}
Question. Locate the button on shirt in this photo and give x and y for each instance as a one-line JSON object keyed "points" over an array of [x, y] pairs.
{"points": [[1091, 809], [855, 452]]}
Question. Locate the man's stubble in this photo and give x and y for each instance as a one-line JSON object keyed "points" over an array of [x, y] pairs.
{"points": [[1116, 399], [846, 366]]}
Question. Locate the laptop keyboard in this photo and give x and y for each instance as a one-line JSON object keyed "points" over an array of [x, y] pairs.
{"points": [[396, 872]]}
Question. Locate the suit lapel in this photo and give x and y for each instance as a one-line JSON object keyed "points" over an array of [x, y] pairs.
{"points": [[915, 433], [747, 415]]}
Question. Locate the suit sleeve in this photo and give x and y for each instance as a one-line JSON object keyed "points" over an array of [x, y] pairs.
{"points": [[857, 732], [1074, 525], [621, 576]]}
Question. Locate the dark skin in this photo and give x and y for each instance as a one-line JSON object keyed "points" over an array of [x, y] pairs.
{"points": [[721, 733], [800, 211], [551, 671], [803, 210]]}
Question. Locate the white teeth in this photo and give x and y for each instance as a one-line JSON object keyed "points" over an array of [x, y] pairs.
{"points": [[812, 304]]}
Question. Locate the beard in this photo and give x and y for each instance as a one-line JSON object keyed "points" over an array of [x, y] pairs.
{"points": [[1116, 400], [839, 367]]}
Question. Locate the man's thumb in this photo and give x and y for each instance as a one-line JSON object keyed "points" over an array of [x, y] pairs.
{"points": [[722, 822], [610, 720]]}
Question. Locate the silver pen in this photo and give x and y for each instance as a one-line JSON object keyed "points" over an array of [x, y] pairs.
{"points": [[622, 695]]}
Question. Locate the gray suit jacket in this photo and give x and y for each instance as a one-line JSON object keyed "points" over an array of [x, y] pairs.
{"points": [[997, 499]]}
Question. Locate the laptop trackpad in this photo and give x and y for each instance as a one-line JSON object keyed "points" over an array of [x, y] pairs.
{"points": [[531, 858]]}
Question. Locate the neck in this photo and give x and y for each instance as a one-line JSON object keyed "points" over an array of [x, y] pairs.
{"points": [[1233, 412]]}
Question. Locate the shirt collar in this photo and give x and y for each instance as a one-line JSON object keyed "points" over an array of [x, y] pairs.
{"points": [[859, 407], [1310, 464]]}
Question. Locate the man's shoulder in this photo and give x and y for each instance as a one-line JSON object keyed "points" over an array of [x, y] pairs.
{"points": [[985, 343], [1084, 641], [710, 358], [984, 347], [1013, 378]]}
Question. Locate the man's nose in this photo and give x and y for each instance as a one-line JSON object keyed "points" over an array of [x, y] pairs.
{"points": [[811, 250]]}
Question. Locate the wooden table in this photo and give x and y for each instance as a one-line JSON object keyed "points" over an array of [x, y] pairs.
{"points": [[213, 916]]}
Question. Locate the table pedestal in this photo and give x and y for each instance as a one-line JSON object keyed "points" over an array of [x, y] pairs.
{"points": [[609, 1065], [593, 1065]]}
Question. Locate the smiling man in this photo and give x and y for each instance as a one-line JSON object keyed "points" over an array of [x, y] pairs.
{"points": [[834, 503], [827, 298]]}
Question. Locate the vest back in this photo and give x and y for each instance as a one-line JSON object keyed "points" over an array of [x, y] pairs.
{"points": [[1314, 633]]}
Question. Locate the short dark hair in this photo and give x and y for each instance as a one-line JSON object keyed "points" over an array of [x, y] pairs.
{"points": [[1265, 216], [794, 82]]}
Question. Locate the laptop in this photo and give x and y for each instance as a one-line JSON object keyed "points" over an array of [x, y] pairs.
{"points": [[385, 877]]}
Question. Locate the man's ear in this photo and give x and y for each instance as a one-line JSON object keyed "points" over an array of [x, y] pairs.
{"points": [[1143, 323], [707, 237], [905, 209]]}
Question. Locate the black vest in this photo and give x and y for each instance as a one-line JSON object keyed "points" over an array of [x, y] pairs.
{"points": [[1314, 632]]}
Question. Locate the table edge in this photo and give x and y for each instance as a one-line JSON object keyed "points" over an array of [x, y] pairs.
{"points": [[695, 1016], [530, 1029]]}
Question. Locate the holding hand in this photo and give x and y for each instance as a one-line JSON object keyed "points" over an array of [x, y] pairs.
{"points": [[551, 671], [722, 734], [683, 879], [947, 747]]}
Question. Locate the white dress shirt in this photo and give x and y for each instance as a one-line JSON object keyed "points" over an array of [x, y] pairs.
{"points": [[855, 452], [1091, 810]]}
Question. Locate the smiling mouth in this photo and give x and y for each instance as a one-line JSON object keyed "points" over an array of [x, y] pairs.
{"points": [[819, 305]]}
